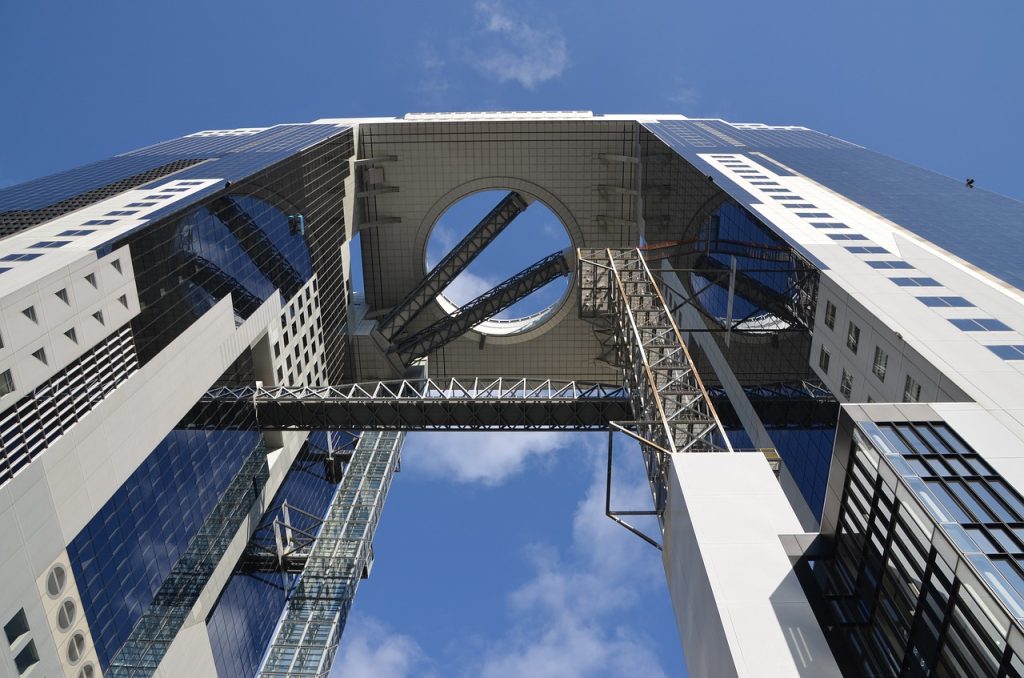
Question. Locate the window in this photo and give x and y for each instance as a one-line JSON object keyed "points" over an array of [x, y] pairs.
{"points": [[56, 580], [50, 244], [788, 197], [66, 614], [21, 256], [78, 231], [866, 249], [889, 264], [830, 315], [140, 204], [16, 627], [120, 213], [880, 363], [853, 337], [30, 313], [76, 648], [814, 215], [827, 224], [87, 671], [911, 390], [40, 355], [91, 279], [99, 317], [72, 335], [945, 302], [823, 359], [847, 236], [6, 383], [846, 384], [916, 282], [116, 263], [62, 294], [980, 325], [27, 658], [123, 300], [1008, 352], [94, 222]]}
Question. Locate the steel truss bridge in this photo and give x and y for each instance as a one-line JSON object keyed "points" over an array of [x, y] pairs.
{"points": [[661, 403]]}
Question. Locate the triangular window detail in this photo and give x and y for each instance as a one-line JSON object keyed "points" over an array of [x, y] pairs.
{"points": [[91, 279], [116, 263], [99, 317], [30, 313], [72, 335], [62, 294], [123, 299], [40, 355]]}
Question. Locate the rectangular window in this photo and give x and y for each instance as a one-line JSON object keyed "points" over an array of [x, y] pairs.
{"points": [[140, 204], [911, 390], [847, 236], [1008, 352], [6, 383], [880, 363], [945, 302], [77, 231], [830, 315], [916, 282], [846, 384], [852, 337], [798, 206], [96, 222], [866, 249], [889, 264], [814, 215], [786, 197], [21, 256], [980, 325], [50, 244], [121, 213], [828, 224], [823, 360]]}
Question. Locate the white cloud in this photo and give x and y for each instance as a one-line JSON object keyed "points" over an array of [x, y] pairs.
{"points": [[685, 97], [515, 50], [370, 650], [467, 286], [567, 614], [488, 457]]}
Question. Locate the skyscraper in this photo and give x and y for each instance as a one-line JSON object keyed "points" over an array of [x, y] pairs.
{"points": [[818, 349]]}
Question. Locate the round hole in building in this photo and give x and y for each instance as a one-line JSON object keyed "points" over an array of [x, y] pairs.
{"points": [[66, 614], [87, 671], [534, 234], [56, 580], [76, 648]]}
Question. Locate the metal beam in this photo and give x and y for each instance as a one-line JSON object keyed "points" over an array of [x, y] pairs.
{"points": [[454, 263], [258, 247], [470, 404], [796, 404], [487, 305]]}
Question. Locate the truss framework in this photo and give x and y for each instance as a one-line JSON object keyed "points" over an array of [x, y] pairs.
{"points": [[488, 304], [455, 404], [454, 263], [307, 638], [672, 409]]}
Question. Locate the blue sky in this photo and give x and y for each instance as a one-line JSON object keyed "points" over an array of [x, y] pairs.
{"points": [[494, 555]]}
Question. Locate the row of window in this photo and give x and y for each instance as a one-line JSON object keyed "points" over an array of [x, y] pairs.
{"points": [[879, 363]]}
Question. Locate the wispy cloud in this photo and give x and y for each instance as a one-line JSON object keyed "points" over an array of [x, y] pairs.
{"points": [[567, 615], [517, 50], [685, 98], [489, 458], [371, 650]]}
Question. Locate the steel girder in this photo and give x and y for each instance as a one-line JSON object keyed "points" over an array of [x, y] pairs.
{"points": [[673, 410], [454, 263], [791, 404], [488, 304], [471, 404]]}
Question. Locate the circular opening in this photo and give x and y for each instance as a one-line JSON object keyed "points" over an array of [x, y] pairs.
{"points": [[76, 647], [66, 615], [56, 580], [87, 671], [534, 234]]}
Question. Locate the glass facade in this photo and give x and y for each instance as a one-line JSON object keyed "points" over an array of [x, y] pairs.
{"points": [[938, 208], [924, 576], [243, 620]]}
